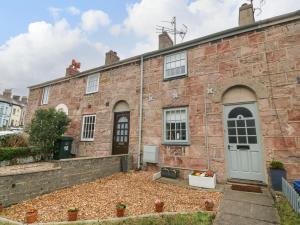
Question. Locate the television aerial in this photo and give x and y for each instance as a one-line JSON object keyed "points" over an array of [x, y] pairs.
{"points": [[173, 29]]}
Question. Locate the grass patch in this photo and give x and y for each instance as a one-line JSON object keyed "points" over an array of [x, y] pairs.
{"points": [[287, 214]]}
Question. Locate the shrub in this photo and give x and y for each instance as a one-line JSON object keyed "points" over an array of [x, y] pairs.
{"points": [[13, 140], [276, 165], [7, 153], [46, 127]]}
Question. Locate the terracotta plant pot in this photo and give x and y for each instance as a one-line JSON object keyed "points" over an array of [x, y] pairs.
{"points": [[72, 215], [31, 216], [209, 205], [159, 207], [120, 212]]}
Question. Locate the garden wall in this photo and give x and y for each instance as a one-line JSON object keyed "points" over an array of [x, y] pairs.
{"points": [[22, 160], [67, 172]]}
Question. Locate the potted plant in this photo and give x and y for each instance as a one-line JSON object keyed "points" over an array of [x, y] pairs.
{"points": [[159, 206], [31, 216], [72, 214], [120, 207], [1, 207], [277, 172], [209, 204], [203, 179]]}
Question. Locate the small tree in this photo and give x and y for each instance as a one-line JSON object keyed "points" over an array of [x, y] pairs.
{"points": [[46, 127]]}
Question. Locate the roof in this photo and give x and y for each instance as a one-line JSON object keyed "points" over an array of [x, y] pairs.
{"points": [[185, 45], [10, 101]]}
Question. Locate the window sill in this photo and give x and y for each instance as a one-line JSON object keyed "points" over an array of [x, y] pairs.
{"points": [[175, 78], [91, 93], [86, 140], [176, 143]]}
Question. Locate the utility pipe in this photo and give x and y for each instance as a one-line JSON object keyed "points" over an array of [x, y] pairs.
{"points": [[141, 111], [206, 129]]}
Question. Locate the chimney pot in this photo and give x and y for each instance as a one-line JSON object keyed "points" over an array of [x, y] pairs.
{"points": [[164, 40], [111, 57], [73, 68], [246, 14]]}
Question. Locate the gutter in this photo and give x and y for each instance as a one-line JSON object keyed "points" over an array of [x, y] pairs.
{"points": [[141, 111]]}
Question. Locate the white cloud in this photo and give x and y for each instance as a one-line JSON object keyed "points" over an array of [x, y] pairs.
{"points": [[91, 20], [202, 17], [73, 10], [43, 53], [55, 12], [115, 29]]}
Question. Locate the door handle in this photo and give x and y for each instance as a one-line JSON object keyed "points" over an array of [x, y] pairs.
{"points": [[243, 147]]}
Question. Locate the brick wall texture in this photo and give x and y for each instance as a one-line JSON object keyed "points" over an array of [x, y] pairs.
{"points": [[15, 188], [267, 61]]}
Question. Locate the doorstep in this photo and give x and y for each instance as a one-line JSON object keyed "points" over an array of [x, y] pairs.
{"points": [[185, 183], [250, 182]]}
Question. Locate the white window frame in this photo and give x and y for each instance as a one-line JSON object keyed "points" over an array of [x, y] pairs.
{"points": [[82, 128], [97, 76], [165, 65], [45, 95], [187, 126]]}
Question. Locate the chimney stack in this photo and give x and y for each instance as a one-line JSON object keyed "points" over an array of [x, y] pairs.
{"points": [[111, 57], [7, 93], [246, 14], [16, 98], [73, 68], [164, 40]]}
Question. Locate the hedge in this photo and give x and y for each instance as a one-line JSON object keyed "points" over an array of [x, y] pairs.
{"points": [[8, 153]]}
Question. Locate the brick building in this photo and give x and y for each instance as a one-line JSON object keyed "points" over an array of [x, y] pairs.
{"points": [[229, 101]]}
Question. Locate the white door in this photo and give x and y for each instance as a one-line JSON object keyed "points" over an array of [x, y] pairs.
{"points": [[242, 139]]}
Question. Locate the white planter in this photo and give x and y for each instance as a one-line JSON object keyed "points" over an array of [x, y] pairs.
{"points": [[204, 182]]}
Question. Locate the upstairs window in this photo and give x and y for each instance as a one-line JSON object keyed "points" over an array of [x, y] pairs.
{"points": [[92, 84], [175, 65], [45, 96], [88, 127], [175, 125]]}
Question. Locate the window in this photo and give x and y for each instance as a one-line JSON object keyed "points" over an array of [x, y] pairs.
{"points": [[92, 84], [45, 95], [88, 127], [14, 111], [175, 125], [175, 65]]}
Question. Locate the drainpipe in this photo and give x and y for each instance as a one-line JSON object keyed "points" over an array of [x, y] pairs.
{"points": [[206, 130], [141, 111]]}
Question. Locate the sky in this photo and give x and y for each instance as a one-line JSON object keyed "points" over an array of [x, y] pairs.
{"points": [[38, 39]]}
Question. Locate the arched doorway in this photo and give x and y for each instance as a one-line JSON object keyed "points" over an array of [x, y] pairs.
{"points": [[121, 128], [242, 134]]}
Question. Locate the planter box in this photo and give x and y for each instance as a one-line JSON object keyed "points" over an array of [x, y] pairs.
{"points": [[276, 177], [204, 182], [169, 173]]}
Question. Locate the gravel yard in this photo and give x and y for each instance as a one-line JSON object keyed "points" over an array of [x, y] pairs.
{"points": [[97, 200]]}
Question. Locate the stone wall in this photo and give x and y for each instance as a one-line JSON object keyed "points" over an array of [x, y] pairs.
{"points": [[22, 160], [267, 61], [67, 172], [120, 84]]}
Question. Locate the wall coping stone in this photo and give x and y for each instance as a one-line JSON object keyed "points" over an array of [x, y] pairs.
{"points": [[55, 165], [87, 158]]}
